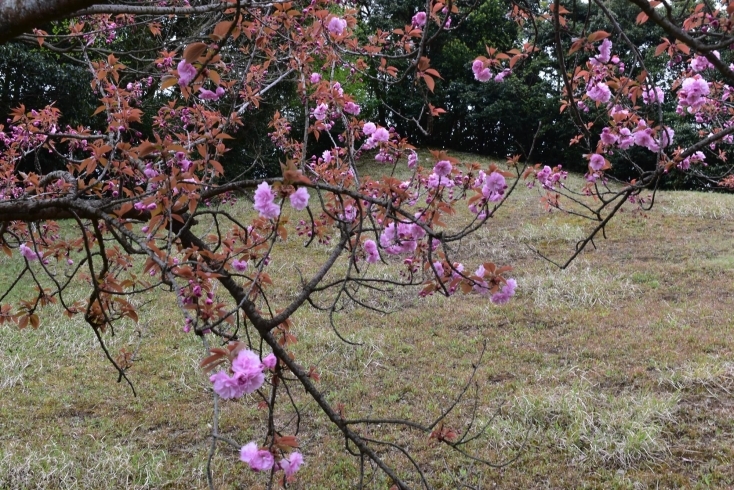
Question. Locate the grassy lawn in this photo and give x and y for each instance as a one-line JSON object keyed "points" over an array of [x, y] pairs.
{"points": [[615, 373]]}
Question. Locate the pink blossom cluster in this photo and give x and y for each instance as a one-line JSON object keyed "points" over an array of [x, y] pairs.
{"points": [[28, 253], [692, 94], [299, 199], [484, 74], [186, 73], [599, 92], [375, 135], [500, 297], [337, 25], [183, 162], [401, 238], [263, 460], [642, 136], [352, 108], [205, 94], [653, 95], [442, 168], [605, 51], [549, 177], [597, 162], [412, 159], [697, 157], [321, 111], [264, 202], [371, 253], [701, 63], [419, 19], [506, 292], [247, 375], [493, 187], [239, 265]]}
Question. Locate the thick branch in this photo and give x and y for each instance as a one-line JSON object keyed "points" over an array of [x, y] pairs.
{"points": [[18, 16]]}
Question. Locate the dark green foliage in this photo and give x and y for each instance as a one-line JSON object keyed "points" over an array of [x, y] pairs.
{"points": [[35, 78]]}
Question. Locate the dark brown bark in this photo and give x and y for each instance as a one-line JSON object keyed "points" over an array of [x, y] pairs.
{"points": [[19, 16]]}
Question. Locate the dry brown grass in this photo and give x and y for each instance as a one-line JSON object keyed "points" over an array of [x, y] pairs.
{"points": [[617, 372]]}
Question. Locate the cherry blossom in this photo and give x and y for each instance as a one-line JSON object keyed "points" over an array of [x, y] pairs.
{"points": [[381, 135], [258, 459], [264, 204], [186, 72], [239, 265], [321, 111], [209, 95], [352, 108], [419, 19], [596, 162], [505, 293], [27, 252], [599, 92], [337, 25], [299, 199], [291, 465], [442, 168]]}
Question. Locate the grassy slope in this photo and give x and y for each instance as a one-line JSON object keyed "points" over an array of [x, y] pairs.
{"points": [[618, 371]]}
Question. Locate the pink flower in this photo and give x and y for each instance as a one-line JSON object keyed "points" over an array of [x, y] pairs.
{"points": [[484, 75], [149, 171], [494, 187], [299, 199], [700, 63], [502, 75], [412, 159], [370, 248], [599, 92], [291, 465], [653, 95], [270, 361], [369, 128], [264, 204], [596, 162], [400, 239], [258, 459], [381, 135], [352, 108], [248, 371], [186, 72], [315, 77], [607, 137], [439, 268], [442, 168], [544, 174], [477, 66], [226, 386], [626, 139], [605, 51], [321, 111], [419, 19], [239, 265], [692, 93], [209, 95], [666, 137], [643, 137], [503, 295], [28, 252], [337, 25]]}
